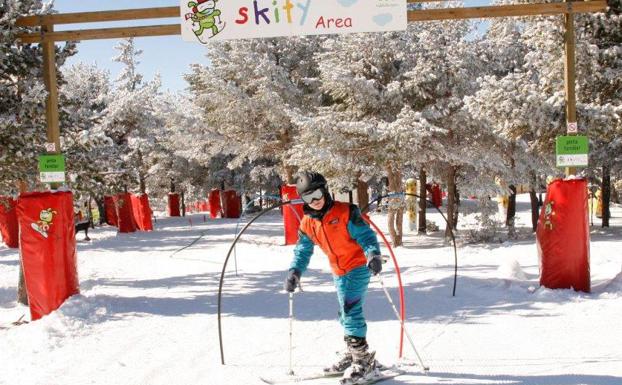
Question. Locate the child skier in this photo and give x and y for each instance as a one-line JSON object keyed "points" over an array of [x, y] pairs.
{"points": [[353, 253]]}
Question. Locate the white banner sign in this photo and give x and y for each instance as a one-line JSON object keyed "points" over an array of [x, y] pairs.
{"points": [[52, 177], [205, 20], [572, 160]]}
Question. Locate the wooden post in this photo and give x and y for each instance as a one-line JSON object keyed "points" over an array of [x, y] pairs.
{"points": [[49, 77], [570, 75]]}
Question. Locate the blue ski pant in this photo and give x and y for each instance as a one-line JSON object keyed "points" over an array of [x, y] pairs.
{"points": [[351, 293]]}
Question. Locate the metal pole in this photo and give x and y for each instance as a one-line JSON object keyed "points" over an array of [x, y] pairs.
{"points": [[397, 315], [291, 333]]}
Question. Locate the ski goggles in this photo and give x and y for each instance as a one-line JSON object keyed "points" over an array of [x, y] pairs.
{"points": [[310, 196]]}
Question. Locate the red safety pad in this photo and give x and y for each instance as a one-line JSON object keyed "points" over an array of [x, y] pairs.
{"points": [[437, 196], [111, 211], [125, 214], [9, 230], [563, 236], [232, 204], [292, 214], [214, 204], [203, 206], [142, 212], [48, 249], [173, 205]]}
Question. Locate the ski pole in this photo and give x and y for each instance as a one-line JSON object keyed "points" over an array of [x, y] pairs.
{"points": [[386, 292], [291, 334]]}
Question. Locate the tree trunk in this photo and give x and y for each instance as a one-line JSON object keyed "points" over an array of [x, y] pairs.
{"points": [[103, 218], [362, 195], [452, 209], [396, 208], [533, 199], [290, 173], [183, 204], [142, 185], [423, 202], [615, 198], [22, 294], [511, 215], [606, 195]]}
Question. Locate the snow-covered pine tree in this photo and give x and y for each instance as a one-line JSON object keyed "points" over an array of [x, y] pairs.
{"points": [[22, 96], [352, 136], [131, 121], [601, 92], [512, 109], [448, 62], [84, 95], [246, 107], [528, 104]]}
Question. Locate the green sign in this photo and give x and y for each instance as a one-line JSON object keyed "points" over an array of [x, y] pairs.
{"points": [[572, 151], [52, 168]]}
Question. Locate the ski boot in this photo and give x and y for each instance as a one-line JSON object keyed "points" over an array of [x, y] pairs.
{"points": [[345, 360], [364, 364]]}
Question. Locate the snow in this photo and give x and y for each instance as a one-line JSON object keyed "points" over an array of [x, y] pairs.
{"points": [[147, 312]]}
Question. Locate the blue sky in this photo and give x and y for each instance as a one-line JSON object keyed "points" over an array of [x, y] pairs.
{"points": [[168, 55]]}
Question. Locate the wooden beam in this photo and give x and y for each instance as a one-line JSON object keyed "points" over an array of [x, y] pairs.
{"points": [[49, 77], [102, 33], [512, 10], [98, 16], [426, 1]]}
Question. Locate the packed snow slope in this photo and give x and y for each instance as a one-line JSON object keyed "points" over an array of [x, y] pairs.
{"points": [[147, 312]]}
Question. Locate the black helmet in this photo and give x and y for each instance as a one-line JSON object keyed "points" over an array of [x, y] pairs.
{"points": [[308, 181]]}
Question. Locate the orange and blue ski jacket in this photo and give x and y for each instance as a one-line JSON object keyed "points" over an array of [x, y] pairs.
{"points": [[343, 236]]}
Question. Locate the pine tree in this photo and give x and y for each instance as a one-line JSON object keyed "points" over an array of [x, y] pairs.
{"points": [[22, 96], [130, 120], [246, 108]]}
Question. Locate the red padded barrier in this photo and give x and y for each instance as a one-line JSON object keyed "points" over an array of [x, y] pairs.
{"points": [[214, 204], [173, 205], [563, 236], [9, 230], [232, 204], [48, 249], [437, 196], [142, 212], [125, 215], [203, 206], [111, 211], [292, 214]]}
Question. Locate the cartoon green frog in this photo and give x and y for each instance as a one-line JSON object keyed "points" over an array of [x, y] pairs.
{"points": [[45, 221], [204, 17]]}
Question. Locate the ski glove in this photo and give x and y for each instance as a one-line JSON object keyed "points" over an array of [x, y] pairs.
{"points": [[374, 263], [292, 280]]}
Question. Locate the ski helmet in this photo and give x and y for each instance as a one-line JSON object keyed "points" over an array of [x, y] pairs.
{"points": [[308, 181]]}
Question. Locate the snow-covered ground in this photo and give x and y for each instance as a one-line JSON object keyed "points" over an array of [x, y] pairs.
{"points": [[147, 312]]}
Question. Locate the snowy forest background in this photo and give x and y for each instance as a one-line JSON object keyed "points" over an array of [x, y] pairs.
{"points": [[475, 110]]}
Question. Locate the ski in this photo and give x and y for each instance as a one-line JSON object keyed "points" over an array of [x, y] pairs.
{"points": [[296, 379], [385, 374]]}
